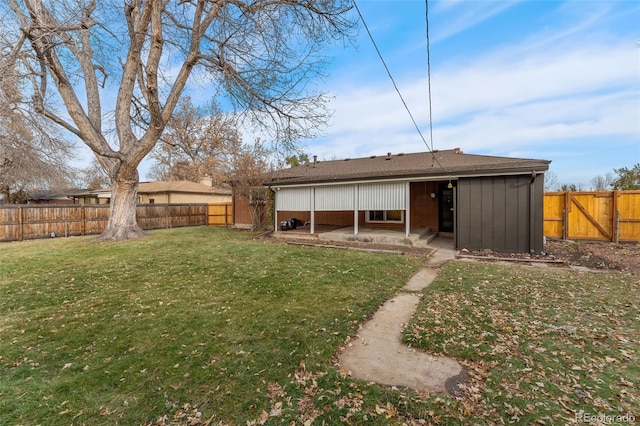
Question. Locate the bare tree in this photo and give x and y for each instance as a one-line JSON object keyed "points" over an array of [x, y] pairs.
{"points": [[196, 142], [32, 154], [602, 183], [262, 54], [92, 177], [570, 187], [248, 165], [550, 181]]}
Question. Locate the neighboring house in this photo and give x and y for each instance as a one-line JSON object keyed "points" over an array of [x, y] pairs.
{"points": [[50, 197], [161, 192], [484, 202]]}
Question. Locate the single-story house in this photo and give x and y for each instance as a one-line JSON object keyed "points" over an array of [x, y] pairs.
{"points": [[50, 197], [483, 202], [165, 192]]}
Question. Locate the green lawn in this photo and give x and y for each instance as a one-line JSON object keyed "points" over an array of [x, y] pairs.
{"points": [[186, 321], [541, 346], [205, 326]]}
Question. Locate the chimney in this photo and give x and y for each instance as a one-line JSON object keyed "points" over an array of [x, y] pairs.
{"points": [[206, 180], [315, 160], [388, 156], [458, 151]]}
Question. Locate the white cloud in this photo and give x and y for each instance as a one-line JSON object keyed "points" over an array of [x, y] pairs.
{"points": [[544, 98], [458, 16]]}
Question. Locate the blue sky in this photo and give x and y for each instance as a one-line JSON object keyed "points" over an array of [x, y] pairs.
{"points": [[554, 80], [537, 79]]}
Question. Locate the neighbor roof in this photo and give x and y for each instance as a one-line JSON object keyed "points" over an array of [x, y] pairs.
{"points": [[163, 187], [446, 164], [180, 186]]}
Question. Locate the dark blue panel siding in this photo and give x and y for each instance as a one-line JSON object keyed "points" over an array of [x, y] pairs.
{"points": [[500, 213]]}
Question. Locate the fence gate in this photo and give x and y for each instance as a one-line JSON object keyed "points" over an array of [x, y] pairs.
{"points": [[220, 214], [607, 216]]}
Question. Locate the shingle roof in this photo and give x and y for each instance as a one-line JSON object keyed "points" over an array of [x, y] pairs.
{"points": [[164, 187], [180, 186], [445, 164]]}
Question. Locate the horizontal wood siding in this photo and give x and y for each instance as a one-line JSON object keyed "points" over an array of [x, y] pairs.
{"points": [[24, 222], [604, 216]]}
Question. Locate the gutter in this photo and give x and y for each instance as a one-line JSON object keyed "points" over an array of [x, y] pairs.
{"points": [[415, 178]]}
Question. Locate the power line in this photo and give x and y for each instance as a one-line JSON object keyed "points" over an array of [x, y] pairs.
{"points": [[375, 45], [426, 8]]}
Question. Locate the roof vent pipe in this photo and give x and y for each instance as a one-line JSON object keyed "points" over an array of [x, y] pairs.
{"points": [[388, 156], [315, 160]]}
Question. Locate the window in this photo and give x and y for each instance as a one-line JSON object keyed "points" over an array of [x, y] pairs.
{"points": [[152, 201], [394, 216]]}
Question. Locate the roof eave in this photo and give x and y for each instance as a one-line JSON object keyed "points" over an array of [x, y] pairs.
{"points": [[540, 166]]}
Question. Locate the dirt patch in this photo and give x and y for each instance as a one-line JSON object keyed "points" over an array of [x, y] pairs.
{"points": [[602, 256], [597, 255]]}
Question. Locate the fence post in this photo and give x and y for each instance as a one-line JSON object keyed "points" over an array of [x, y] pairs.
{"points": [[615, 217], [565, 219], [20, 224]]}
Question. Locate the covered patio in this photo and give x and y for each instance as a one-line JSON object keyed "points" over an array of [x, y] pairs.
{"points": [[419, 237]]}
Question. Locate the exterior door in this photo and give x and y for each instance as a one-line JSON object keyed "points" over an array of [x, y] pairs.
{"points": [[445, 209]]}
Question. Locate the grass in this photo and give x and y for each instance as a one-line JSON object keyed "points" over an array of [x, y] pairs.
{"points": [[541, 347], [204, 326], [187, 324]]}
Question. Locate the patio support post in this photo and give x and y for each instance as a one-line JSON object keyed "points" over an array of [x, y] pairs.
{"points": [[275, 211], [407, 214], [313, 210], [355, 209]]}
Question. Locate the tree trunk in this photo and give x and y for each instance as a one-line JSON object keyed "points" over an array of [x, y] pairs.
{"points": [[122, 223]]}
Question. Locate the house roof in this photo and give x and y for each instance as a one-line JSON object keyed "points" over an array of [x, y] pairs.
{"points": [[180, 186], [158, 187], [445, 164], [49, 195]]}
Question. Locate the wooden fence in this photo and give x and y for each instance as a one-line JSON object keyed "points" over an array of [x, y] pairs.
{"points": [[24, 222], [606, 216], [220, 214]]}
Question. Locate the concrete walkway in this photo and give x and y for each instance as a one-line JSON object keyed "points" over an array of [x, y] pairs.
{"points": [[377, 355]]}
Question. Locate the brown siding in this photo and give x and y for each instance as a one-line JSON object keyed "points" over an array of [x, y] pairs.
{"points": [[241, 211], [500, 213]]}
